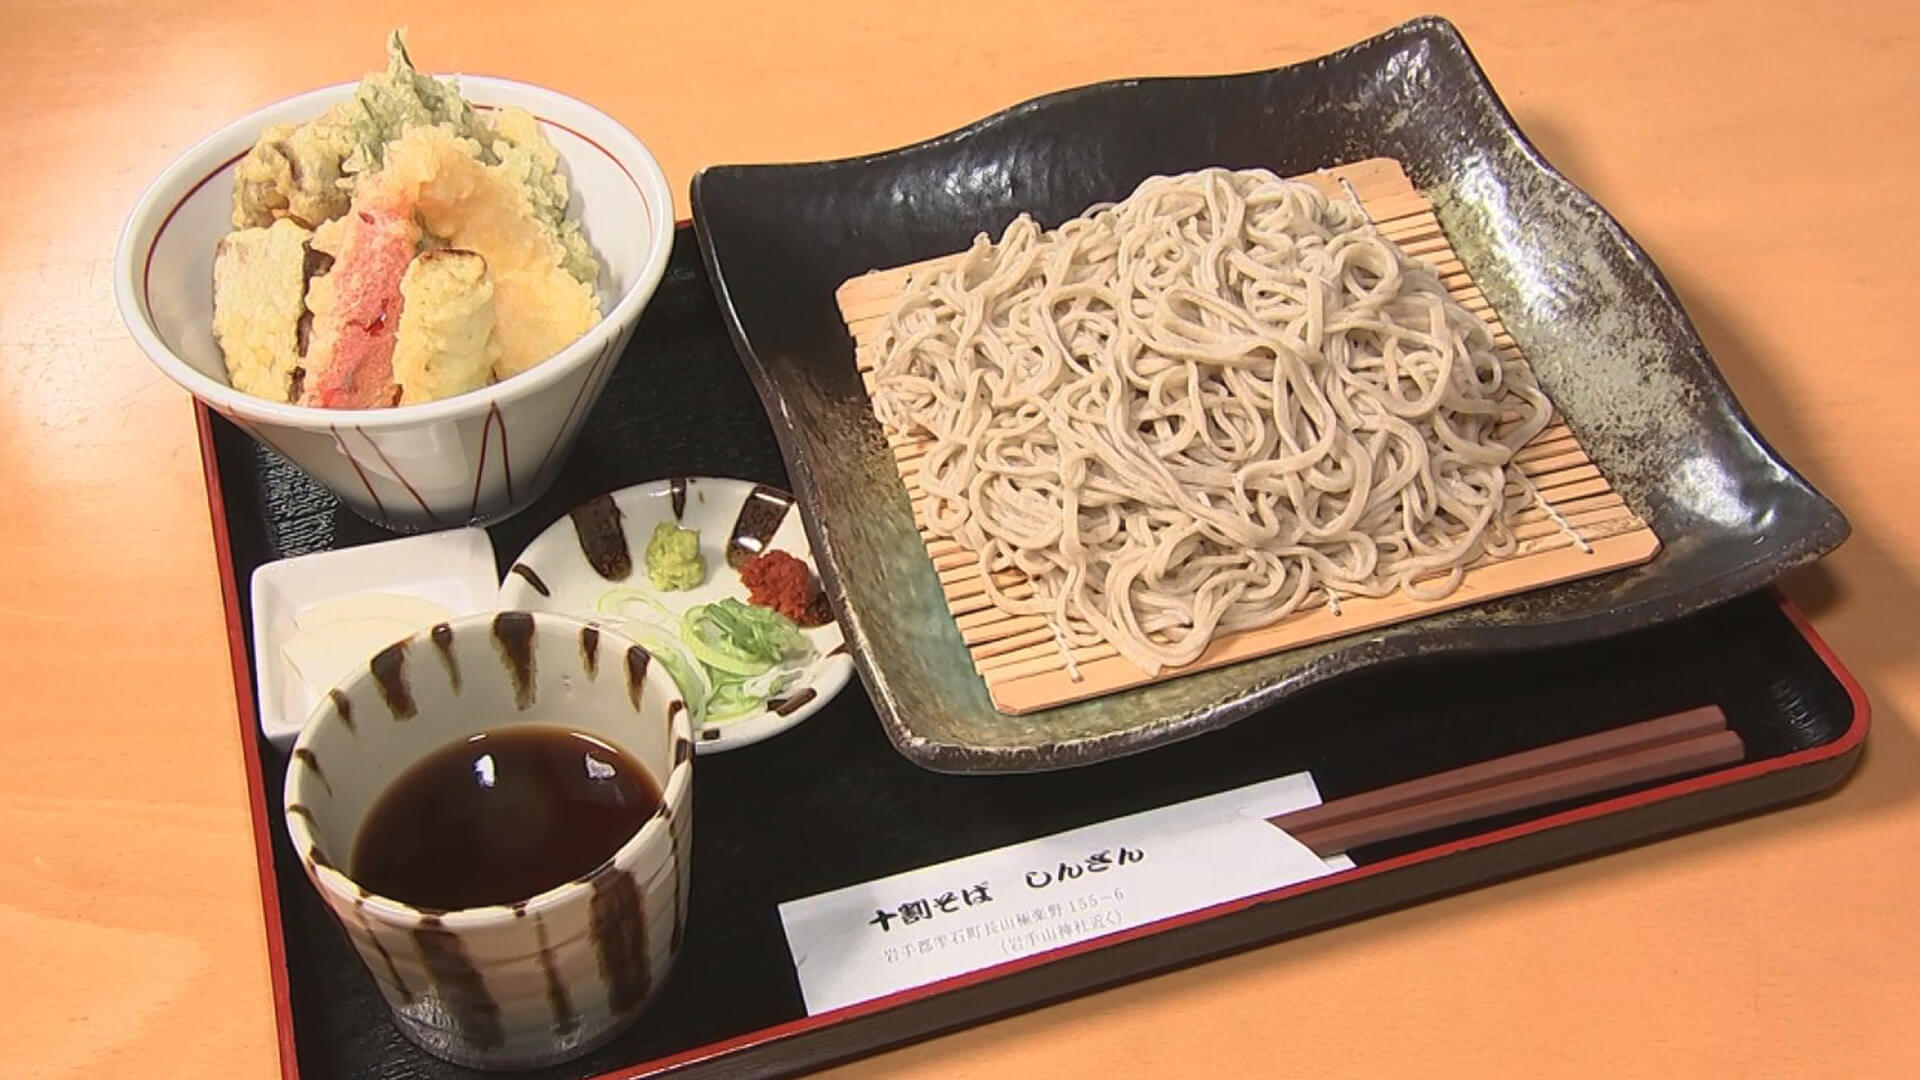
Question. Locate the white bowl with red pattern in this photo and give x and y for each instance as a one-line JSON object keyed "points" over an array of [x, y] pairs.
{"points": [[470, 459]]}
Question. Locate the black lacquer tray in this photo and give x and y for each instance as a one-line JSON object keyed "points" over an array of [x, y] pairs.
{"points": [[831, 803]]}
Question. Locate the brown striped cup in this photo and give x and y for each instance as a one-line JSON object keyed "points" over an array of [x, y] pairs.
{"points": [[554, 975]]}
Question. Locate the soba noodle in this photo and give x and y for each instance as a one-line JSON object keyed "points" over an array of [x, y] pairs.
{"points": [[1198, 409]]}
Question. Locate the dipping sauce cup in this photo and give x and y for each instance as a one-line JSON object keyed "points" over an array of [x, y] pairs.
{"points": [[538, 979]]}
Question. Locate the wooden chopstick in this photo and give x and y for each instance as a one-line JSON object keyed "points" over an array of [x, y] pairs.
{"points": [[1650, 750], [1670, 728]]}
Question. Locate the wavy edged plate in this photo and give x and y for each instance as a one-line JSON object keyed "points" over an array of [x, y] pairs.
{"points": [[1596, 317], [555, 572]]}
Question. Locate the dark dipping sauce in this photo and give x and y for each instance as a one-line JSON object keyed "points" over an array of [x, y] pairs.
{"points": [[501, 816]]}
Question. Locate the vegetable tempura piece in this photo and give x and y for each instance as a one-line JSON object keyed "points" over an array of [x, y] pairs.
{"points": [[542, 308], [259, 290], [293, 171], [304, 171], [446, 344]]}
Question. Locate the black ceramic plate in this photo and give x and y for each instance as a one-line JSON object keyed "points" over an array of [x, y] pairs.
{"points": [[1603, 329]]}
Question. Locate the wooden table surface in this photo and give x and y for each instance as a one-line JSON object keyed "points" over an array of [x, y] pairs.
{"points": [[1765, 154]]}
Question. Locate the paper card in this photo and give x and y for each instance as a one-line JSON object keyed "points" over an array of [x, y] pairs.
{"points": [[880, 937]]}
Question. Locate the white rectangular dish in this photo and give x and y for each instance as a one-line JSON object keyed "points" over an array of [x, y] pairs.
{"points": [[453, 570]]}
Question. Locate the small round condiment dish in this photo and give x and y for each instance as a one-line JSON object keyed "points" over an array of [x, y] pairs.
{"points": [[582, 564]]}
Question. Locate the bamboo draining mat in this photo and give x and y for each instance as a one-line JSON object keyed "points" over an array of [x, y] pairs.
{"points": [[1589, 531]]}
